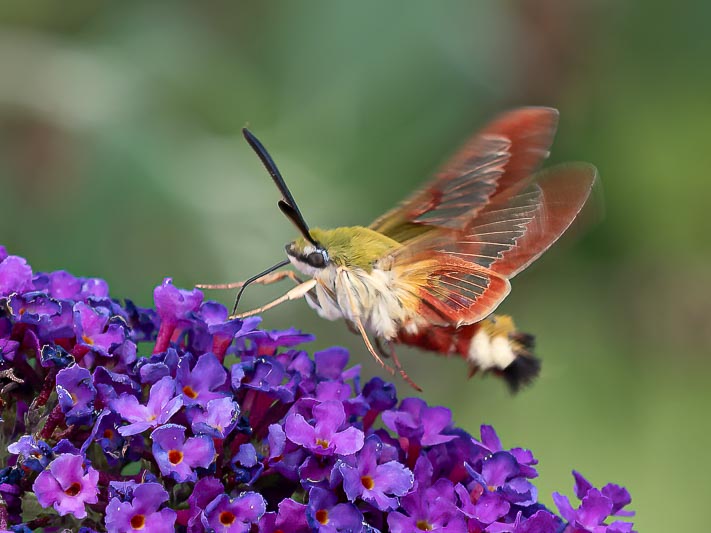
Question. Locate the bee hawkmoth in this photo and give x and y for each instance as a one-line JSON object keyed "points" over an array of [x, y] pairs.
{"points": [[430, 272]]}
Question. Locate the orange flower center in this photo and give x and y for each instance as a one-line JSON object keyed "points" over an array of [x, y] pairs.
{"points": [[138, 521], [424, 525], [87, 340], [175, 457], [190, 392], [227, 518], [367, 482], [322, 516], [322, 442], [73, 489]]}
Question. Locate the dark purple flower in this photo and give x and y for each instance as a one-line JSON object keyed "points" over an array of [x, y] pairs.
{"points": [[236, 515], [15, 275], [177, 456], [36, 454], [375, 483], [265, 374], [162, 405], [326, 515], [141, 512], [67, 486], [324, 437], [143, 322], [76, 394]]}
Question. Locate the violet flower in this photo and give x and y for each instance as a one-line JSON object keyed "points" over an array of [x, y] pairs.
{"points": [[141, 512], [176, 418], [67, 486]]}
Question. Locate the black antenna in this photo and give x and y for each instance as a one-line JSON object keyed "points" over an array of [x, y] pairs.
{"points": [[255, 278], [288, 204]]}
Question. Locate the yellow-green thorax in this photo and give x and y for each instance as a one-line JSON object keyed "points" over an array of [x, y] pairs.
{"points": [[352, 246]]}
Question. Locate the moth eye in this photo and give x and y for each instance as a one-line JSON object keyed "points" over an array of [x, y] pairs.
{"points": [[316, 259]]}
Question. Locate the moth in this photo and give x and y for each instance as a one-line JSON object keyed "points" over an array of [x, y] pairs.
{"points": [[430, 272]]}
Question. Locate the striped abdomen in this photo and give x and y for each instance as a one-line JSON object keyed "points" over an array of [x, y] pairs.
{"points": [[491, 345]]}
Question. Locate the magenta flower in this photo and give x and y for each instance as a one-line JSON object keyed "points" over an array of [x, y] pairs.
{"points": [[324, 437], [162, 405], [176, 456], [67, 486], [141, 512]]}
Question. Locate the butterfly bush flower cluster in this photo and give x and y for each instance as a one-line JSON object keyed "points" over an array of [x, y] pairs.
{"points": [[175, 418]]}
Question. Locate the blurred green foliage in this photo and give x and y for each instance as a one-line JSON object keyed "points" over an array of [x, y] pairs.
{"points": [[121, 157]]}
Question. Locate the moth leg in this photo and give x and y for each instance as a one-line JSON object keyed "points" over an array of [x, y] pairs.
{"points": [[368, 345], [294, 294], [401, 370], [264, 280], [385, 354], [359, 325]]}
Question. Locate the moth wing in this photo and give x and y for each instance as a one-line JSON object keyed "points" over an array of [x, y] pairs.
{"points": [[452, 292], [518, 225], [466, 272], [506, 152]]}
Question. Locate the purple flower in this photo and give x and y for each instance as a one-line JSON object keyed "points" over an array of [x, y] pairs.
{"points": [[36, 454], [415, 420], [324, 437], [95, 329], [501, 474], [377, 484], [177, 456], [141, 512], [67, 486], [162, 405], [225, 515], [76, 394], [217, 419], [174, 306], [287, 426], [203, 382], [429, 509], [326, 515], [290, 517], [490, 443], [15, 275], [595, 508]]}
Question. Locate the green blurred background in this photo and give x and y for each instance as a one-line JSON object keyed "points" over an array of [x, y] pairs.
{"points": [[121, 157]]}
